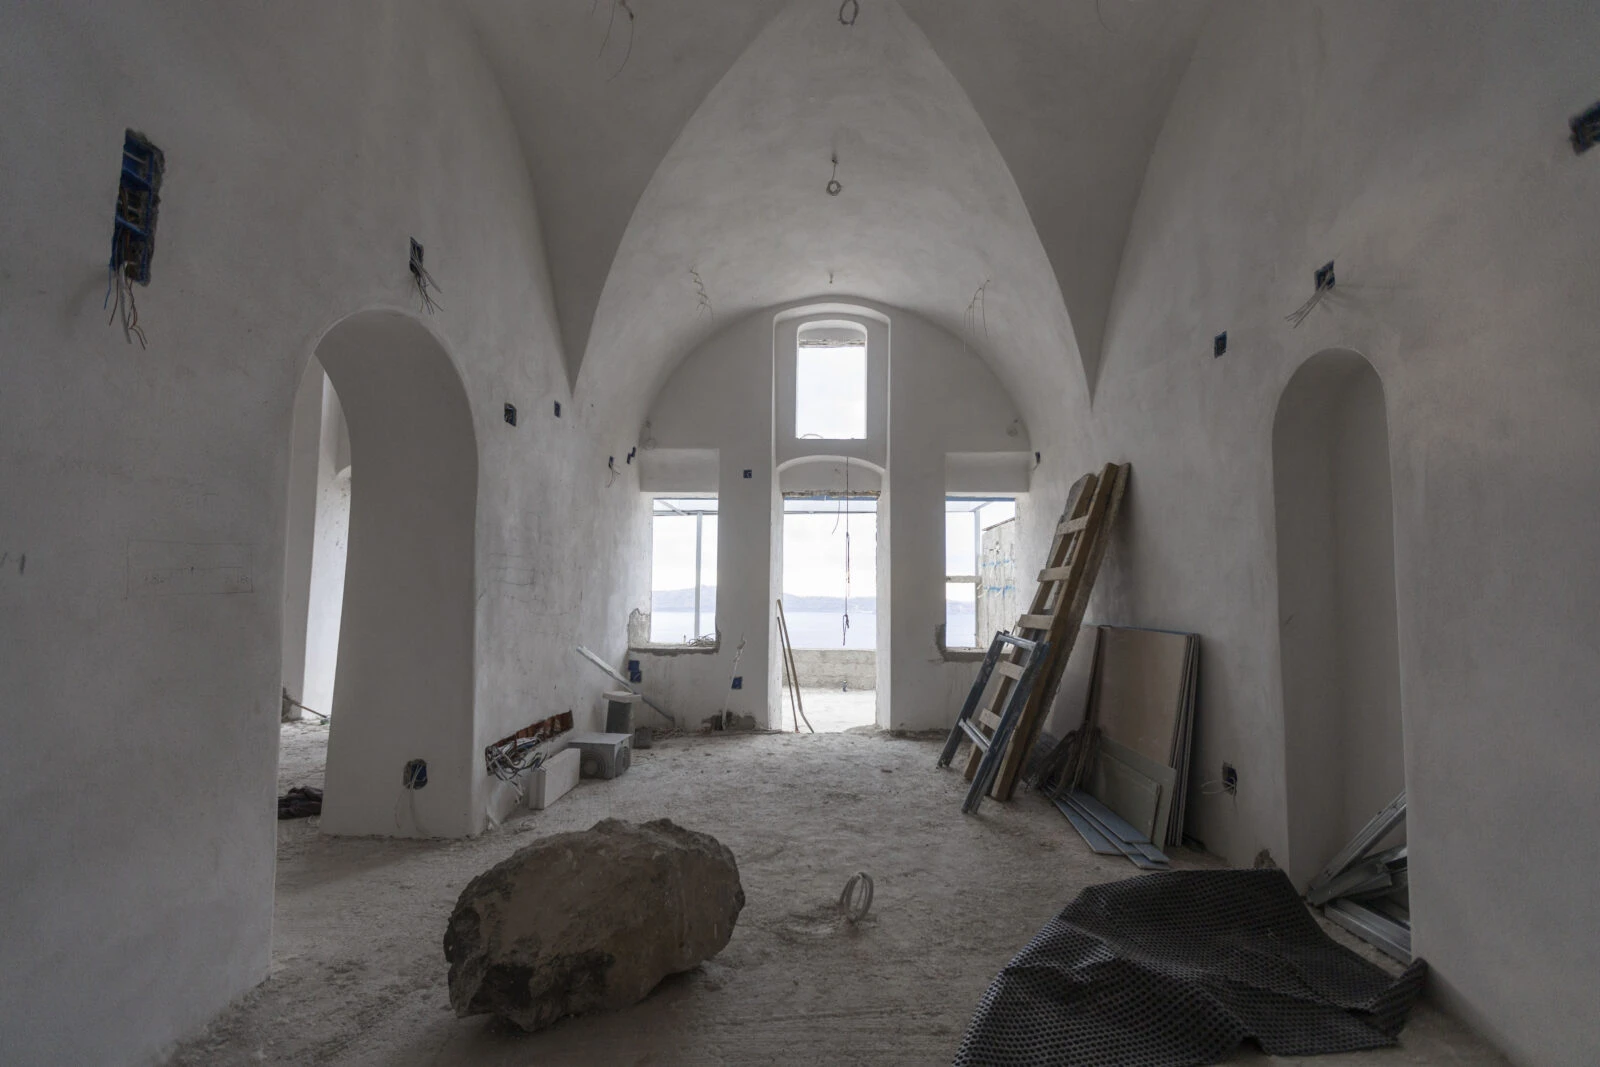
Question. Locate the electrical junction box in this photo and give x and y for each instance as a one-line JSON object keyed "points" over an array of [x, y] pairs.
{"points": [[602, 755]]}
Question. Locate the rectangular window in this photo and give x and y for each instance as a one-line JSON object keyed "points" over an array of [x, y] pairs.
{"points": [[830, 390], [830, 571], [980, 586], [683, 571]]}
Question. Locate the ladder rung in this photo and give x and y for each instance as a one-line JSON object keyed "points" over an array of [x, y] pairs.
{"points": [[1072, 526], [1036, 622], [1007, 669], [1055, 574], [972, 732], [989, 719]]}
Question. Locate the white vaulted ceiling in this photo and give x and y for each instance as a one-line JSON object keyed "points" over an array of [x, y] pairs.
{"points": [[1002, 141]]}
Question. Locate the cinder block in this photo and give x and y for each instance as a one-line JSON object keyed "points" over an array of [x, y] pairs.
{"points": [[554, 779]]}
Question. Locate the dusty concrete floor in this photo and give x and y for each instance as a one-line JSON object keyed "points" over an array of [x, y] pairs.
{"points": [[832, 711], [358, 973]]}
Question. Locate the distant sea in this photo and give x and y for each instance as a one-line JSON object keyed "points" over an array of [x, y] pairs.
{"points": [[808, 627]]}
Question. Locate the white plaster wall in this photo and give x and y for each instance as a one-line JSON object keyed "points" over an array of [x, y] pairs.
{"points": [[1369, 640], [298, 164], [1424, 146], [325, 600], [836, 668], [944, 399], [405, 661], [1339, 646], [300, 527], [721, 399], [940, 399]]}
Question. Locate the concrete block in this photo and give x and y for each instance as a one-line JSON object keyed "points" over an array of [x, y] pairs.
{"points": [[552, 781]]}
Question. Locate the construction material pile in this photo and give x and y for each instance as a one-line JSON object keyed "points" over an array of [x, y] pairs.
{"points": [[1180, 968], [1121, 775], [1368, 892]]}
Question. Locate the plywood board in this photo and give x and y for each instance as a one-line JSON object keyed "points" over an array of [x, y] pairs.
{"points": [[1072, 696], [1164, 778], [1140, 692], [1134, 796]]}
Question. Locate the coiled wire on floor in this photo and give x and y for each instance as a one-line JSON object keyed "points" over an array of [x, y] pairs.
{"points": [[856, 900]]}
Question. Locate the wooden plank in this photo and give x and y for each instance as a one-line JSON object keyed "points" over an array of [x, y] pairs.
{"points": [[1101, 510], [1055, 574], [1036, 622], [1072, 526], [990, 719], [1007, 669], [1079, 498]]}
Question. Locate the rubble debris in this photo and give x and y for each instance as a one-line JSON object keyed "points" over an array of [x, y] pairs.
{"points": [[589, 921], [300, 802]]}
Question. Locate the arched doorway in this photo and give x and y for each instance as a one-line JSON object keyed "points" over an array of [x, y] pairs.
{"points": [[404, 688], [1338, 632], [831, 572]]}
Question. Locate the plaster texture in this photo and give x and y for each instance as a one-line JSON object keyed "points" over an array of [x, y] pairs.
{"points": [[1424, 148], [304, 145]]}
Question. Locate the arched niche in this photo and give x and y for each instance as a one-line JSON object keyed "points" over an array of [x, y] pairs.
{"points": [[1338, 632], [406, 639]]}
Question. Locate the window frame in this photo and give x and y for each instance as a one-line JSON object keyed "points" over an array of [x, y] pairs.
{"points": [[976, 577], [864, 343], [699, 516]]}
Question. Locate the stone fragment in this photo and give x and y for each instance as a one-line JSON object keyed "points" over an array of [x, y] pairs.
{"points": [[589, 921]]}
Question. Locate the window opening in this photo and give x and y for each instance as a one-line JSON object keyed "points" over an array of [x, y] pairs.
{"points": [[980, 587], [683, 571], [830, 398]]}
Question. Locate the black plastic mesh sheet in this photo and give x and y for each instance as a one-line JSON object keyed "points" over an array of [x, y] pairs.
{"points": [[1179, 968]]}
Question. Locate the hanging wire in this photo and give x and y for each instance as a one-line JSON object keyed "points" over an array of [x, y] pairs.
{"points": [[854, 9], [977, 314], [1325, 279], [426, 286], [846, 636], [120, 284], [834, 188], [702, 294], [610, 24]]}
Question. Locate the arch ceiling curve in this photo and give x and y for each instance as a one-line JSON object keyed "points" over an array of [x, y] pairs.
{"points": [[1003, 141]]}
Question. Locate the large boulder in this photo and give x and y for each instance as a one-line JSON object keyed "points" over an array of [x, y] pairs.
{"points": [[589, 921]]}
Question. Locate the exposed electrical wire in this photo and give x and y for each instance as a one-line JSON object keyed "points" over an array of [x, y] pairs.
{"points": [[854, 9], [426, 286], [611, 466], [845, 639], [702, 294], [1325, 281], [121, 285], [976, 315], [611, 22], [834, 188]]}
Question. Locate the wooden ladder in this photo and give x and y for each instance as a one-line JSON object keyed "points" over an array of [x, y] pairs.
{"points": [[1054, 616]]}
